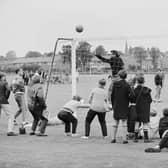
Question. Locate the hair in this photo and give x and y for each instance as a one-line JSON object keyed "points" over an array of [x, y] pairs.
{"points": [[140, 80], [153, 113], [115, 52], [77, 98], [132, 81], [102, 82], [36, 78], [122, 74], [2, 75], [165, 112]]}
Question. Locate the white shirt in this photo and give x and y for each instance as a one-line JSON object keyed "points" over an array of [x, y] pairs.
{"points": [[72, 105], [98, 100]]}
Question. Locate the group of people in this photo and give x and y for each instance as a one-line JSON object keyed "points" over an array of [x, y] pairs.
{"points": [[130, 101], [35, 102]]}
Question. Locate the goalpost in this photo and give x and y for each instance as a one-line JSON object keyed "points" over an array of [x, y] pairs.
{"points": [[73, 67]]}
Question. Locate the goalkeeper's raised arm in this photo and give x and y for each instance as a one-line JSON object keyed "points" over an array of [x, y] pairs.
{"points": [[116, 63]]}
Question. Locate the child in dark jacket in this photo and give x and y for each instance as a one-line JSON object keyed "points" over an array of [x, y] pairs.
{"points": [[163, 132], [4, 104], [143, 102], [37, 105], [120, 99]]}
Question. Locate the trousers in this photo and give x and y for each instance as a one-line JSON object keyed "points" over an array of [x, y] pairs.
{"points": [[6, 108], [89, 118]]}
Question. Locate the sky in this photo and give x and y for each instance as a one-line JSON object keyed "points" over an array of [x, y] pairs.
{"points": [[34, 25]]}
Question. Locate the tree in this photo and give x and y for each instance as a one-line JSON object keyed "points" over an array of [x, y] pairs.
{"points": [[83, 54], [2, 57], [139, 54], [34, 54], [66, 54], [155, 54], [48, 54], [11, 54], [101, 50], [31, 67]]}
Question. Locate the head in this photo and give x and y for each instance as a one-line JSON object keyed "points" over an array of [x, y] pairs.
{"points": [[140, 80], [165, 112], [153, 113], [115, 53], [2, 77], [77, 98], [132, 81], [36, 78], [102, 83], [122, 74], [19, 71]]}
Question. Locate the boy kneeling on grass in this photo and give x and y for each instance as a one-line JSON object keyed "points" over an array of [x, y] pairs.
{"points": [[163, 132]]}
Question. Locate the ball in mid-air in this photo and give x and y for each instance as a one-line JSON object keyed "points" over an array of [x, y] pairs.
{"points": [[79, 28]]}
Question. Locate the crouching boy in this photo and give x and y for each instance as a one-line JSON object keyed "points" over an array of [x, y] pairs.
{"points": [[37, 105], [68, 114]]}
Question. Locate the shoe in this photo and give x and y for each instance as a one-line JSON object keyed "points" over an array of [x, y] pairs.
{"points": [[153, 150], [24, 123], [32, 133], [125, 142], [85, 137], [41, 134], [15, 123], [113, 141], [12, 134], [68, 134], [105, 137], [135, 140], [147, 141], [75, 135]]}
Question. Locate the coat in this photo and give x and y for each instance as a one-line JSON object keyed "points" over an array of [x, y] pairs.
{"points": [[120, 98], [143, 103], [35, 97]]}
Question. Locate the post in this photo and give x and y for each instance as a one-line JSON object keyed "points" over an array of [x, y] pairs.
{"points": [[73, 68]]}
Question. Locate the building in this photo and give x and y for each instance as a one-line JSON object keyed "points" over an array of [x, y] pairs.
{"points": [[43, 61]]}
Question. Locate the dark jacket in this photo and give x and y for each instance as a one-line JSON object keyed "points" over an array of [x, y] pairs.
{"points": [[4, 92], [163, 125], [35, 97], [158, 79], [116, 63], [120, 98], [143, 103]]}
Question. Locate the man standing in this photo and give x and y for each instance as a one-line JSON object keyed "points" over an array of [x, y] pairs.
{"points": [[159, 77], [4, 104], [116, 64], [18, 89]]}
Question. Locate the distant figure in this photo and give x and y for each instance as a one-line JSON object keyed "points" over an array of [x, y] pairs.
{"points": [[26, 77], [159, 77], [4, 104]]}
